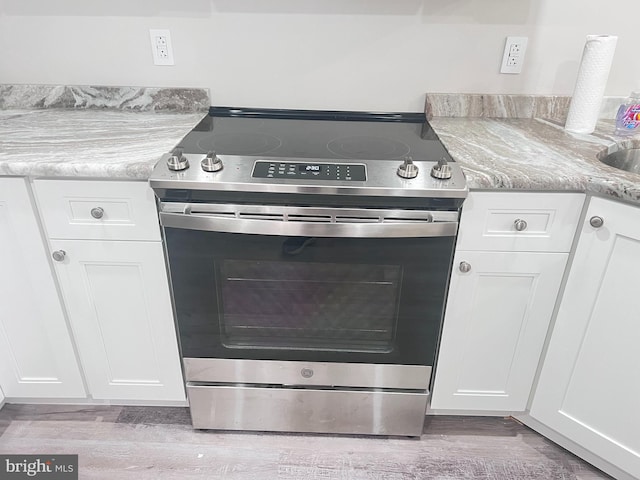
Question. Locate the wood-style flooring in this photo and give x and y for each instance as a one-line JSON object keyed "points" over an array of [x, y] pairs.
{"points": [[158, 443]]}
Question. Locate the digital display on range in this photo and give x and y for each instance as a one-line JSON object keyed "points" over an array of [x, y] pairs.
{"points": [[309, 168], [333, 172]]}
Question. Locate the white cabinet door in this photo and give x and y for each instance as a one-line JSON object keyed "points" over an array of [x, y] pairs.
{"points": [[496, 322], [117, 296], [589, 388], [1, 399], [37, 359]]}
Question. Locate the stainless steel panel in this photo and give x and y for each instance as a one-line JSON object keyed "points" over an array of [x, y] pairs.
{"points": [[382, 179], [307, 221], [300, 214], [307, 410], [624, 159], [326, 374], [344, 230]]}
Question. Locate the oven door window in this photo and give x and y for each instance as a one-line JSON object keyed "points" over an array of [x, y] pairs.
{"points": [[365, 300], [308, 306]]}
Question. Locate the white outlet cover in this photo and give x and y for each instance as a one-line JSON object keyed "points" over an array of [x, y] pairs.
{"points": [[161, 47], [513, 56]]}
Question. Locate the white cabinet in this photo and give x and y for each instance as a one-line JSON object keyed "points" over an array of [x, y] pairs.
{"points": [[1, 398], [98, 210], [118, 300], [115, 287], [37, 359], [489, 221], [494, 329], [589, 386], [507, 271]]}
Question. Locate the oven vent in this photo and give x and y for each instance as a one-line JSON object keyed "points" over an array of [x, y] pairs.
{"points": [[279, 217], [311, 215], [421, 218], [205, 212], [358, 219], [296, 217], [216, 214], [317, 218]]}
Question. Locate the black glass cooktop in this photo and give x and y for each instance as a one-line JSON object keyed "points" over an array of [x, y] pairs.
{"points": [[315, 134]]}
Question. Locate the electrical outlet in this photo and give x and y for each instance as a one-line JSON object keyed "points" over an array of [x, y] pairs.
{"points": [[514, 49], [513, 56], [161, 47]]}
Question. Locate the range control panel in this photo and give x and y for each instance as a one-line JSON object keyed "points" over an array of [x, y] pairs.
{"points": [[310, 171]]}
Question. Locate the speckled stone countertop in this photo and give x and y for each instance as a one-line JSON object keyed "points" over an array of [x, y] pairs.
{"points": [[88, 143], [536, 154], [117, 133], [519, 142], [93, 131]]}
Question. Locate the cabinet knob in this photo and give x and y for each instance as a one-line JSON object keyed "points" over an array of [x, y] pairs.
{"points": [[464, 267], [59, 255], [97, 212], [596, 222], [520, 225]]}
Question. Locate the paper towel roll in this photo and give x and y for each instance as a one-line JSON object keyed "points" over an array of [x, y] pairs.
{"points": [[591, 82]]}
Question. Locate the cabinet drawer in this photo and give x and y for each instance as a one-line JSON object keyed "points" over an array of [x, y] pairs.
{"points": [[517, 221], [97, 210]]}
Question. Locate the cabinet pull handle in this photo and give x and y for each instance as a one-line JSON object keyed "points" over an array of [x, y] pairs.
{"points": [[596, 222], [465, 267], [59, 255], [97, 212], [520, 225]]}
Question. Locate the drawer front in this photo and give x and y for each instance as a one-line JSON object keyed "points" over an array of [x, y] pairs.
{"points": [[517, 221], [369, 412], [100, 210]]}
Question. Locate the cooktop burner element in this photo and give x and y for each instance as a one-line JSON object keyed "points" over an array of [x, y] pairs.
{"points": [[365, 147], [241, 143], [249, 152]]}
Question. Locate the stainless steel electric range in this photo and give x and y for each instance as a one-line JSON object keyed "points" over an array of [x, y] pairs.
{"points": [[309, 256]]}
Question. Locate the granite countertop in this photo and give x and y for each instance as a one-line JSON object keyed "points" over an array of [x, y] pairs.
{"points": [[519, 142], [120, 133], [89, 131], [88, 143], [537, 154]]}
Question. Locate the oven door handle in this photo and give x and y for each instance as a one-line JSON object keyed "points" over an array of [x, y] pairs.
{"points": [[191, 221]]}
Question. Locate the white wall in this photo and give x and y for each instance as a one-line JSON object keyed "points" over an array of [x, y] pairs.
{"points": [[332, 54]]}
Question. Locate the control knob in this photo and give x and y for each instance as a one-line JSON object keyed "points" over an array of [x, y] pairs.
{"points": [[211, 163], [177, 161], [408, 169], [442, 170]]}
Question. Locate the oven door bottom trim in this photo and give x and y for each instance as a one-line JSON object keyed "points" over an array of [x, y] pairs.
{"points": [[309, 374], [255, 408]]}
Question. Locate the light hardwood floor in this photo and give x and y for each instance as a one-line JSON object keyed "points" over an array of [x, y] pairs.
{"points": [[158, 443]]}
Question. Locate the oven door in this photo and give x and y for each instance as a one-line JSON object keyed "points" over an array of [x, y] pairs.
{"points": [[308, 284]]}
